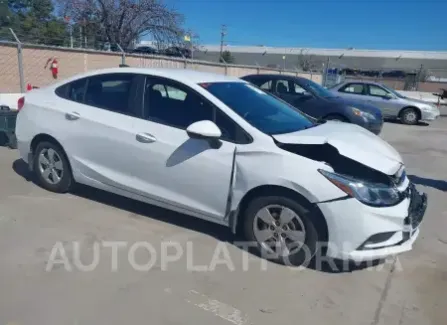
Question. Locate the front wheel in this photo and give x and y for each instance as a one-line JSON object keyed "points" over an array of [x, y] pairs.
{"points": [[409, 116], [51, 167], [281, 229]]}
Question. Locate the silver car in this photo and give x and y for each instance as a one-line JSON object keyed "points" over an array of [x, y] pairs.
{"points": [[391, 103]]}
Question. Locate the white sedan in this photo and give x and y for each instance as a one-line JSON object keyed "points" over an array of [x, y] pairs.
{"points": [[220, 149]]}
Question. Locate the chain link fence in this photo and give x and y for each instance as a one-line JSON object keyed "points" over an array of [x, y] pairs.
{"points": [[24, 65]]}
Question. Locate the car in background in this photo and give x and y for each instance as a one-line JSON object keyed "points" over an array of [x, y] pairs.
{"points": [[220, 149], [392, 104], [179, 52], [145, 50], [317, 102]]}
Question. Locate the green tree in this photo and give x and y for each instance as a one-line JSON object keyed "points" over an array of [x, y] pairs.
{"points": [[227, 57], [33, 21]]}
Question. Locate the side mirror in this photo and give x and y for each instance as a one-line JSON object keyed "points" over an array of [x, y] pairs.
{"points": [[389, 96], [204, 130]]}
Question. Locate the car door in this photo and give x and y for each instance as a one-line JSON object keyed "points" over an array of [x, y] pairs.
{"points": [[188, 174], [382, 98], [98, 128]]}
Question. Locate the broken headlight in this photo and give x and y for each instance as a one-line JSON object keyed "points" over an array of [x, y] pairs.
{"points": [[373, 194]]}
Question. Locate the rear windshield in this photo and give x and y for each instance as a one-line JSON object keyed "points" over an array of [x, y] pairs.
{"points": [[262, 110]]}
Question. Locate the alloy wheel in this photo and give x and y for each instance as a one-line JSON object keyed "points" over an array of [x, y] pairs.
{"points": [[279, 230], [50, 166]]}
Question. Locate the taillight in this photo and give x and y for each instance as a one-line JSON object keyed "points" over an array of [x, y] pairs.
{"points": [[20, 103]]}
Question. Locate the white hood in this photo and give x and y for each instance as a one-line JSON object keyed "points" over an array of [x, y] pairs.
{"points": [[351, 141]]}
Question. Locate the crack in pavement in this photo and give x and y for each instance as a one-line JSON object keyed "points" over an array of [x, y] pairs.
{"points": [[384, 294]]}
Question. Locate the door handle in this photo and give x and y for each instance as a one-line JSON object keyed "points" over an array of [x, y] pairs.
{"points": [[72, 116], [145, 138]]}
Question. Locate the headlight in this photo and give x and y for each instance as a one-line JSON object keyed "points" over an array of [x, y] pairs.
{"points": [[378, 195], [429, 108], [365, 115]]}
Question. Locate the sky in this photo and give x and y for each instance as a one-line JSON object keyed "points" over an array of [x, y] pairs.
{"points": [[361, 24]]}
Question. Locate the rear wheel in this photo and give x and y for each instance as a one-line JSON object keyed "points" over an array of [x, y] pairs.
{"points": [[281, 229], [51, 167], [409, 116]]}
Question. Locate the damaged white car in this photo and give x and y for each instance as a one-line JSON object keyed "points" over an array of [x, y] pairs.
{"points": [[220, 149]]}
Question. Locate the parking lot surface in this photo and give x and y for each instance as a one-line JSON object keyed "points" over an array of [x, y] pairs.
{"points": [[37, 227]]}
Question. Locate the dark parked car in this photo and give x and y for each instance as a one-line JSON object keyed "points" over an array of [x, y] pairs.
{"points": [[145, 50], [318, 102], [179, 52]]}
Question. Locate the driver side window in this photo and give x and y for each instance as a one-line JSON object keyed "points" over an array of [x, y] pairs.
{"points": [[298, 89], [173, 104], [282, 87], [377, 91]]}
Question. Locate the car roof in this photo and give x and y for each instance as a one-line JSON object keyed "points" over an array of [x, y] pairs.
{"points": [[181, 75], [276, 76], [350, 81]]}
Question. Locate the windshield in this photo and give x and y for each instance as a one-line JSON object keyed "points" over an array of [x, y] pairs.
{"points": [[262, 110], [319, 90]]}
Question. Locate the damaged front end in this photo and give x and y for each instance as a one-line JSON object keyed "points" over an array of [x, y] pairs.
{"points": [[368, 185]]}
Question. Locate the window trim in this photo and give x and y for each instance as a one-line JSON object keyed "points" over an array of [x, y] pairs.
{"points": [[363, 93], [133, 101], [183, 87]]}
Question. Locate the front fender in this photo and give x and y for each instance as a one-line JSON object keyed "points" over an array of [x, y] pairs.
{"points": [[280, 168]]}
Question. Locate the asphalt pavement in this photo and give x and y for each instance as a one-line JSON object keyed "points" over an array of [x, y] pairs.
{"points": [[94, 258]]}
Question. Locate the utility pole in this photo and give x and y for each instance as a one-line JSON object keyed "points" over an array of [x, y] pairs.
{"points": [[223, 32]]}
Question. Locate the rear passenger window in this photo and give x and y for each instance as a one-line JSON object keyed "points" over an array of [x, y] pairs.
{"points": [[109, 91], [266, 86], [76, 90], [353, 89]]}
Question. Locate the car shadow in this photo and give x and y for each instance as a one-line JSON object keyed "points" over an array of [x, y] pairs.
{"points": [[320, 263], [397, 121], [440, 185]]}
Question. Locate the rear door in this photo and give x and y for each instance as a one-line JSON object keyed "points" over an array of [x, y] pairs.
{"points": [[99, 130]]}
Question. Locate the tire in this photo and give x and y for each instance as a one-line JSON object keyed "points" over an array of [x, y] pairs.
{"points": [[59, 179], [298, 253], [334, 117], [409, 116]]}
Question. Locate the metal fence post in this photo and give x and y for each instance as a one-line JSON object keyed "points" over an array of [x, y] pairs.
{"points": [[224, 62], [123, 55], [20, 59]]}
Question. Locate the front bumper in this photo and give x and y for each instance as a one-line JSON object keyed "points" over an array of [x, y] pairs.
{"points": [[360, 233], [430, 115], [375, 126]]}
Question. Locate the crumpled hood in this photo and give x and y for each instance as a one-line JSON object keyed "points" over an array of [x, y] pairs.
{"points": [[351, 141]]}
